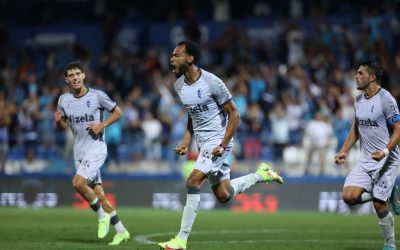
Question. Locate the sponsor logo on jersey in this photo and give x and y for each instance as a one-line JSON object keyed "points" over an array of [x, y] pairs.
{"points": [[197, 109], [368, 123], [80, 119]]}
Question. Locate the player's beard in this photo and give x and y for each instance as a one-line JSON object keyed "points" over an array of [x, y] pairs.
{"points": [[181, 70], [362, 86]]}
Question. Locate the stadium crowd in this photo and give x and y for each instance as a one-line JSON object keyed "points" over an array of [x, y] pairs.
{"points": [[294, 88]]}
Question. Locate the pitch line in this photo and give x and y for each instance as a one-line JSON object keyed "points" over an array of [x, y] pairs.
{"points": [[145, 238]]}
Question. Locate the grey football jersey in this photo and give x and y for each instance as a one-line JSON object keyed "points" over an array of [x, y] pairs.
{"points": [[80, 113], [204, 101], [372, 115]]}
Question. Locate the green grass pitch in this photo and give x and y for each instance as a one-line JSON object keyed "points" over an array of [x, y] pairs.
{"points": [[66, 228]]}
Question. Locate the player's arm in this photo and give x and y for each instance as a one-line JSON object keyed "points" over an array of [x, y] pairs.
{"points": [[183, 147], [394, 123], [233, 123], [352, 138], [61, 121], [114, 116]]}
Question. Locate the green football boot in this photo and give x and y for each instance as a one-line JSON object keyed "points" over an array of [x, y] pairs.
{"points": [[118, 238], [173, 244], [104, 227], [268, 174]]}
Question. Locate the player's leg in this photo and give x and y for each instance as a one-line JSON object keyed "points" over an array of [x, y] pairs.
{"points": [[357, 187], [81, 186], [353, 195], [87, 175], [225, 189], [382, 189], [395, 199], [193, 183], [386, 222], [122, 234]]}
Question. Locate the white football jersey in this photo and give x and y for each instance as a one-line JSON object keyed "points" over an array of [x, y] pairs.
{"points": [[80, 113], [204, 101], [372, 115]]}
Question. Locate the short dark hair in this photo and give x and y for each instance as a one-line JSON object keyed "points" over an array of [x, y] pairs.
{"points": [[373, 68], [72, 65], [193, 49]]}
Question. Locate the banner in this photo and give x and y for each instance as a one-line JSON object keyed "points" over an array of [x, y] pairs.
{"points": [[295, 194]]}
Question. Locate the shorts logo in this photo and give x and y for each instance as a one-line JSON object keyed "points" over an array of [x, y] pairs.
{"points": [[206, 154]]}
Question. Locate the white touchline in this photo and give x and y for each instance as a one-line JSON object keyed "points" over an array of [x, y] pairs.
{"points": [[146, 238]]}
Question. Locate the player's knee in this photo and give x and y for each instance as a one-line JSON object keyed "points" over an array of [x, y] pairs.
{"points": [[224, 198], [192, 183], [350, 199]]}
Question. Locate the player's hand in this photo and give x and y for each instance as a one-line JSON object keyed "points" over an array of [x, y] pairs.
{"points": [[95, 128], [218, 151], [181, 149], [57, 116], [377, 155], [340, 158]]}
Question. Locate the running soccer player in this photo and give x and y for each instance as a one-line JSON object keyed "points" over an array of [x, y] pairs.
{"points": [[82, 109], [377, 127], [213, 119]]}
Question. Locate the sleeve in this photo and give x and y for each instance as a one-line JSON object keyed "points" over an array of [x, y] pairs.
{"points": [[60, 107], [390, 109], [220, 92], [105, 101]]}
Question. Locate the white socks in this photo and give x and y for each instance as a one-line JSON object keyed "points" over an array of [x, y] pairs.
{"points": [[387, 228], [116, 222], [241, 184], [365, 197], [96, 206], [189, 215]]}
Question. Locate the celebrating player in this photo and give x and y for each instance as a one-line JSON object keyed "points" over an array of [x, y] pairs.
{"points": [[83, 109], [213, 119], [377, 127]]}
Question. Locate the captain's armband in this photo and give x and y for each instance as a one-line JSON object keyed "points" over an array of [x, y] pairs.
{"points": [[394, 119]]}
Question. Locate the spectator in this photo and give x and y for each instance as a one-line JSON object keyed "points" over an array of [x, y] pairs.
{"points": [[5, 122], [279, 134], [317, 139]]}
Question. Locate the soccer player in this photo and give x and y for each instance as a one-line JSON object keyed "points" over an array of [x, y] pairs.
{"points": [[377, 127], [213, 119], [82, 109]]}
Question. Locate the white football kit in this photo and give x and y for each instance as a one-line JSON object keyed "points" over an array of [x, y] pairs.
{"points": [[374, 116], [204, 101], [90, 151]]}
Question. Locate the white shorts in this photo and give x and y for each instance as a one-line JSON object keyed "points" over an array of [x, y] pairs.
{"points": [[89, 168], [217, 169], [379, 183]]}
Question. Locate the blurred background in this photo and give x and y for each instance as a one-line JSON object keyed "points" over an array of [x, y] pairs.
{"points": [[289, 64]]}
